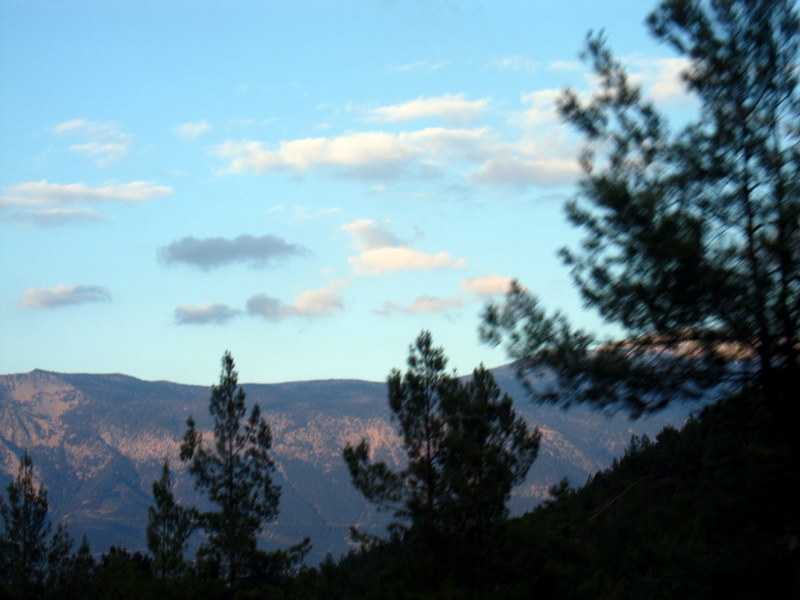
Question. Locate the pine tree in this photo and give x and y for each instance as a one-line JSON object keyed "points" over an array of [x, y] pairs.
{"points": [[692, 242], [466, 449], [26, 548], [235, 473], [169, 527]]}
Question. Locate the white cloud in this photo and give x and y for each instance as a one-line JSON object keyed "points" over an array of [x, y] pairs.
{"points": [[192, 130], [541, 109], [311, 303], [204, 314], [524, 171], [422, 305], [386, 260], [63, 295], [450, 107], [44, 193], [350, 151], [664, 80], [54, 216], [544, 154], [368, 235], [103, 141], [322, 302], [488, 285], [564, 65], [366, 154]]}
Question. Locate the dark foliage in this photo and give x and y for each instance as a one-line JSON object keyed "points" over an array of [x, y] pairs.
{"points": [[169, 528], [235, 472], [704, 512], [692, 239], [30, 557], [466, 449]]}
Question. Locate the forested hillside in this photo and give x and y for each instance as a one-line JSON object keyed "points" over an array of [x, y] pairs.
{"points": [[705, 511]]}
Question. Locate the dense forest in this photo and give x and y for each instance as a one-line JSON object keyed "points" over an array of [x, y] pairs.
{"points": [[691, 248]]}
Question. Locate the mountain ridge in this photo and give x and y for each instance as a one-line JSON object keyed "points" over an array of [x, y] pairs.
{"points": [[98, 440]]}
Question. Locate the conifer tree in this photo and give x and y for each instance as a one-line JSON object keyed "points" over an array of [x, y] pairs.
{"points": [[26, 547], [235, 472], [692, 239], [169, 527], [466, 449]]}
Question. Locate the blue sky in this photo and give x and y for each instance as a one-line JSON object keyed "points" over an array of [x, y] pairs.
{"points": [[306, 184]]}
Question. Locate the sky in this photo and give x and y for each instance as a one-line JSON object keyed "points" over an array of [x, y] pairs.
{"points": [[305, 184]]}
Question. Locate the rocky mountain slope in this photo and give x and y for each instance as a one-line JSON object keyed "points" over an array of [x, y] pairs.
{"points": [[97, 442]]}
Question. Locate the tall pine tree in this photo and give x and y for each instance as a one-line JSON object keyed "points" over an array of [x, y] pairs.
{"points": [[466, 449], [235, 472]]}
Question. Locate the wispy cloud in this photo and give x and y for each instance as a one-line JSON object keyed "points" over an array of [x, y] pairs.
{"points": [[63, 295], [44, 193], [103, 141], [429, 66], [54, 216], [477, 288], [311, 303], [205, 314], [422, 305], [452, 108], [516, 63], [192, 130], [212, 253], [564, 65]]}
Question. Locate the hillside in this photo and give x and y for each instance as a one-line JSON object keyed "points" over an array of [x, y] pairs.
{"points": [[98, 440]]}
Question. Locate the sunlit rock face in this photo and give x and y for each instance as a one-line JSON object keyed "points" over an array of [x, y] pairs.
{"points": [[97, 442]]}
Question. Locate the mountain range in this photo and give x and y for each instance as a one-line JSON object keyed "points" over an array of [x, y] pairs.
{"points": [[98, 441]]}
